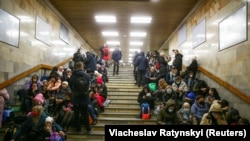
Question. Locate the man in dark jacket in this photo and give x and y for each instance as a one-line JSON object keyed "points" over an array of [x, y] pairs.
{"points": [[142, 64], [77, 57], [135, 69], [90, 63], [116, 57], [193, 66], [80, 100], [178, 61]]}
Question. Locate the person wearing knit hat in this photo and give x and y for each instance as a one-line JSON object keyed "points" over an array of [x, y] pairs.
{"points": [[38, 99], [190, 97], [52, 130], [65, 82], [49, 119], [48, 124]]}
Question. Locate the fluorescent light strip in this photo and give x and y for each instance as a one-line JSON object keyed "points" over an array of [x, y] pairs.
{"points": [[105, 19], [113, 43], [140, 19], [138, 34], [110, 33]]}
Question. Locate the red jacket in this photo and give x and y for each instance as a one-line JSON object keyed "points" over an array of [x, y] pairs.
{"points": [[106, 57]]}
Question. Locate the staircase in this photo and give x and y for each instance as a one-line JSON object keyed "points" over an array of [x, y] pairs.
{"points": [[123, 108]]}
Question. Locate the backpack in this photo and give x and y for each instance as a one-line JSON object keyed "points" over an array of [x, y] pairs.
{"points": [[9, 132], [82, 84], [145, 111], [105, 51], [152, 86]]}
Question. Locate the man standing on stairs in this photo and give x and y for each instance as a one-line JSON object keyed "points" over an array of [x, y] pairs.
{"points": [[142, 64], [116, 57], [80, 97]]}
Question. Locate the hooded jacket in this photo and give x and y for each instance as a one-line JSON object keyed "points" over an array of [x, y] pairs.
{"points": [[208, 119], [166, 117]]}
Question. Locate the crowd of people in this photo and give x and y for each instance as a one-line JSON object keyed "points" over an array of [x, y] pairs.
{"points": [[176, 96], [52, 103], [68, 96]]}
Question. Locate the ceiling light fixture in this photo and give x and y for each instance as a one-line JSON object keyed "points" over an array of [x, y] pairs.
{"points": [[140, 19], [110, 33], [138, 34], [113, 42], [105, 19]]}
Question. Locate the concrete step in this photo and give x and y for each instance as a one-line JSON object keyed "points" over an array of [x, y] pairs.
{"points": [[124, 100], [124, 80], [127, 77], [133, 105], [122, 96], [112, 89], [134, 102], [127, 105], [120, 84], [122, 93], [127, 121], [123, 109], [124, 87], [123, 115], [77, 136], [116, 114]]}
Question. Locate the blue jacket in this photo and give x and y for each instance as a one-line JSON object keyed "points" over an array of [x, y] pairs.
{"points": [[116, 55], [198, 110], [90, 62], [141, 62]]}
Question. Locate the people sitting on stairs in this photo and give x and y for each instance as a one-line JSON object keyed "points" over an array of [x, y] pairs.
{"points": [[145, 95], [27, 102], [65, 113], [100, 93], [32, 128], [168, 114]]}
